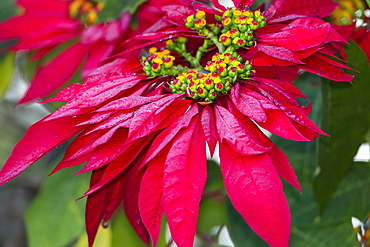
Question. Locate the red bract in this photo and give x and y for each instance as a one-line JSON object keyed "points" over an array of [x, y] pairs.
{"points": [[361, 36], [142, 126], [47, 26]]}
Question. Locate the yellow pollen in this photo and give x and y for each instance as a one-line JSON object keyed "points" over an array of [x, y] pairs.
{"points": [[87, 6], [189, 18], [92, 17], [226, 21], [257, 13], [214, 58], [223, 65], [228, 34], [247, 13], [74, 7], [235, 40], [227, 60], [100, 6], [237, 20], [200, 14], [217, 80], [153, 50], [249, 21], [166, 52], [235, 63], [158, 61], [237, 13], [203, 22], [169, 42]]}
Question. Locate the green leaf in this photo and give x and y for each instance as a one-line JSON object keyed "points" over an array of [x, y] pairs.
{"points": [[7, 9], [113, 9], [123, 234], [7, 63], [333, 228], [103, 238], [368, 2], [212, 213], [346, 118], [212, 208], [55, 218]]}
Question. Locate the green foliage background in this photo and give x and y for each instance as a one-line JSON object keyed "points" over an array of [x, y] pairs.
{"points": [[334, 187]]}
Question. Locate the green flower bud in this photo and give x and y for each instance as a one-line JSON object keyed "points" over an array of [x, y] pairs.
{"points": [[212, 94], [202, 92], [232, 72], [219, 87]]}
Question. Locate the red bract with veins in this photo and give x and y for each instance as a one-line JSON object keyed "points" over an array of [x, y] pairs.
{"points": [[142, 126], [45, 27]]}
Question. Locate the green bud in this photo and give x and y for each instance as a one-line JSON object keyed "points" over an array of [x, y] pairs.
{"points": [[232, 72], [208, 84], [262, 24], [242, 27], [218, 18], [212, 94], [219, 87], [215, 30], [227, 13], [202, 92]]}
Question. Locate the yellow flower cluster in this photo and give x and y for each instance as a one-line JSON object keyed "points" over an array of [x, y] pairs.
{"points": [[157, 61], [85, 10], [221, 74]]}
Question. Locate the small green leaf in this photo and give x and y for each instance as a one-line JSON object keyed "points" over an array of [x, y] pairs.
{"points": [[113, 9], [346, 118], [214, 180], [7, 63], [55, 218]]}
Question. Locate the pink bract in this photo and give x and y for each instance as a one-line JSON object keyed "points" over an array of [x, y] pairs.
{"points": [[46, 26]]}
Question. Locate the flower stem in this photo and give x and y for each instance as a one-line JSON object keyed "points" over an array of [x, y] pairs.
{"points": [[202, 49], [189, 58], [213, 38]]}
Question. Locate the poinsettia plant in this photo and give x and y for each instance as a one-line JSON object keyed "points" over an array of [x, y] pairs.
{"points": [[69, 29], [198, 76]]}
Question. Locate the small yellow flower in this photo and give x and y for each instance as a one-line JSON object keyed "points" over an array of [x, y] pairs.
{"points": [[217, 80], [158, 60], [226, 21], [200, 14], [153, 50], [237, 12], [169, 42]]}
